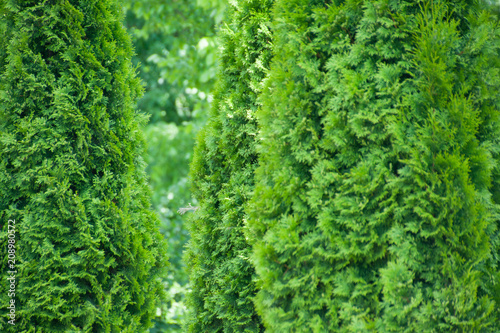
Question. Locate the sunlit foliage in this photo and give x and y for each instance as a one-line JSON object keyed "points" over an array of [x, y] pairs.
{"points": [[89, 253]]}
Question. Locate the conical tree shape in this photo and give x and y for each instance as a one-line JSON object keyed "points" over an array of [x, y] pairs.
{"points": [[222, 173], [374, 207], [88, 251]]}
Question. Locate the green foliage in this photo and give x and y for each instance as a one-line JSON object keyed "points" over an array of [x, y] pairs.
{"points": [[89, 254], [169, 153], [177, 63], [170, 150], [176, 48], [222, 172], [376, 199]]}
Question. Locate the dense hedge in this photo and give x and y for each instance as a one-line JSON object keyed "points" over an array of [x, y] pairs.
{"points": [[375, 203], [89, 254], [375, 206], [222, 172]]}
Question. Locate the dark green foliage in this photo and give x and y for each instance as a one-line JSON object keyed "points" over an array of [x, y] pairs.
{"points": [[375, 204], [89, 254], [222, 172]]}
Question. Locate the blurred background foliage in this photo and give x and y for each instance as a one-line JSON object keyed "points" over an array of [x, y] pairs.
{"points": [[176, 55]]}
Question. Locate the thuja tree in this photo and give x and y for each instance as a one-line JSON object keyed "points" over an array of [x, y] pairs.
{"points": [[222, 172], [375, 204], [88, 252]]}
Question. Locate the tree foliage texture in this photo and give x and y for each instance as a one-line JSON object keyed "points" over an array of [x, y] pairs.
{"points": [[222, 172], [376, 204], [374, 207], [89, 254]]}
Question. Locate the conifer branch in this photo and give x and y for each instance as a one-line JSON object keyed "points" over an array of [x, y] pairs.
{"points": [[186, 209]]}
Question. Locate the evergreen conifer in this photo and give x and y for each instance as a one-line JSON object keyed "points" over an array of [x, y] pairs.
{"points": [[222, 173], [376, 196], [88, 252]]}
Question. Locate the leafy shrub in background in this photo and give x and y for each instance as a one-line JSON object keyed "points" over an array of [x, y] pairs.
{"points": [[177, 64], [376, 199], [176, 49], [89, 254], [170, 149], [222, 172], [169, 152]]}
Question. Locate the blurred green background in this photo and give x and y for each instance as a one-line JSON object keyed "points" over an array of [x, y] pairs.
{"points": [[176, 55]]}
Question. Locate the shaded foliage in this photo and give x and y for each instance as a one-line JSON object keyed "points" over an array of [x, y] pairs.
{"points": [[222, 173]]}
